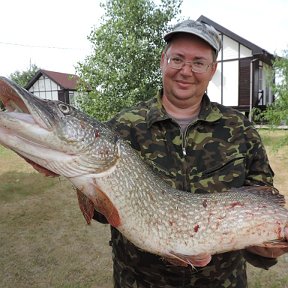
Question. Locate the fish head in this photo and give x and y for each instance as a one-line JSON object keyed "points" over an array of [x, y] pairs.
{"points": [[53, 135]]}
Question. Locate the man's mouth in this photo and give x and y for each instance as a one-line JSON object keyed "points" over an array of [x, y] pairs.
{"points": [[184, 84]]}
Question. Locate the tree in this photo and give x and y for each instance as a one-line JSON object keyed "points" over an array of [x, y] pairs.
{"points": [[277, 113], [124, 65], [22, 78]]}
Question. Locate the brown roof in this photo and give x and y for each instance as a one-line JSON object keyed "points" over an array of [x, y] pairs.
{"points": [[66, 81]]}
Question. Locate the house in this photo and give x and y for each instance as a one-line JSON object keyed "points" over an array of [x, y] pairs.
{"points": [[241, 79], [54, 86]]}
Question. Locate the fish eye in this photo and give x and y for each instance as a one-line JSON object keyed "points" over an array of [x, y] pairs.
{"points": [[63, 108]]}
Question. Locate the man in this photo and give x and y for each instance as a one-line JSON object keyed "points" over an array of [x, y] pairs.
{"points": [[198, 146]]}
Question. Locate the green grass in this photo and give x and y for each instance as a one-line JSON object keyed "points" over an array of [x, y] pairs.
{"points": [[17, 181], [269, 279], [44, 239], [4, 152], [18, 185], [274, 139]]}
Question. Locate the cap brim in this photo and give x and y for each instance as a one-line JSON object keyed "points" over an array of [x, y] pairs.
{"points": [[170, 35]]}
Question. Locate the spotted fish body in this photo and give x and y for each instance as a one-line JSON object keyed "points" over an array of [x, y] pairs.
{"points": [[110, 177]]}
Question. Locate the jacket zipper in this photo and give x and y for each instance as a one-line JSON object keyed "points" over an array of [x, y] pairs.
{"points": [[184, 139], [183, 135], [186, 184]]}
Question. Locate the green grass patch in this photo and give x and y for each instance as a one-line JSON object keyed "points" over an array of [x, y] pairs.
{"points": [[4, 152], [274, 139], [275, 277], [18, 185]]}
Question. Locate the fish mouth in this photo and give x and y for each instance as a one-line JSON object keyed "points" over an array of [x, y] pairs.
{"points": [[18, 101], [26, 122], [27, 126]]}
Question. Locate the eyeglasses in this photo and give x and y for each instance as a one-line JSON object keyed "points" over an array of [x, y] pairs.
{"points": [[197, 66]]}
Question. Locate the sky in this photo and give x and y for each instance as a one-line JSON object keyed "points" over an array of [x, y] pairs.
{"points": [[53, 34]]}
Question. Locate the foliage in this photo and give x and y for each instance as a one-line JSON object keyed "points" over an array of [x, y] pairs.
{"points": [[124, 65], [277, 113], [22, 78]]}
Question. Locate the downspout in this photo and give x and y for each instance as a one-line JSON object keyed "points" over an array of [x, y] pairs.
{"points": [[251, 89]]}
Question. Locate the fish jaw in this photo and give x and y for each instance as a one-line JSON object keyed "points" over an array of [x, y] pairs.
{"points": [[10, 96], [55, 116], [21, 134], [23, 125], [16, 98], [46, 128], [56, 139]]}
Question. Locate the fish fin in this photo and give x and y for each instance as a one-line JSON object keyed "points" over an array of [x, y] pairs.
{"points": [[259, 261], [176, 260], [279, 244], [86, 206], [179, 259], [105, 206], [267, 192]]}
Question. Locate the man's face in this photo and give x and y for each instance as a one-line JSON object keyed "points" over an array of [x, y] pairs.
{"points": [[182, 87]]}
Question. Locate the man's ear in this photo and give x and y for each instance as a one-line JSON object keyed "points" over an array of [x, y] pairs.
{"points": [[213, 69], [162, 59]]}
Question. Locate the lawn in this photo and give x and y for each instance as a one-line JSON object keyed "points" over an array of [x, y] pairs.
{"points": [[45, 242]]}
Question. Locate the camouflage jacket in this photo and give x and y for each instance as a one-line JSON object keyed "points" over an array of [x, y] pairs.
{"points": [[220, 149]]}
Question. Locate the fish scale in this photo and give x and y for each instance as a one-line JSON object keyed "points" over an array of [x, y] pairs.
{"points": [[111, 177], [223, 217]]}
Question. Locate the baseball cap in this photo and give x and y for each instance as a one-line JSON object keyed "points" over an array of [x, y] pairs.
{"points": [[200, 29]]}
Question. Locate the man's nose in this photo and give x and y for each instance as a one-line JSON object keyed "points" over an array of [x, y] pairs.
{"points": [[187, 68]]}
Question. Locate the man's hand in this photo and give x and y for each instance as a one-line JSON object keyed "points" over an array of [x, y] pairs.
{"points": [[273, 250]]}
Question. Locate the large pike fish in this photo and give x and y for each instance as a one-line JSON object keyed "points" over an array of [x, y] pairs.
{"points": [[57, 139]]}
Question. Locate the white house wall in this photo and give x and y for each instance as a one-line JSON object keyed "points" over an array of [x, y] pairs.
{"points": [[230, 83], [45, 88], [224, 87], [214, 88], [230, 48], [245, 52]]}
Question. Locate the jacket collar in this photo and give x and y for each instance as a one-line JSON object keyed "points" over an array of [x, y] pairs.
{"points": [[157, 113]]}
